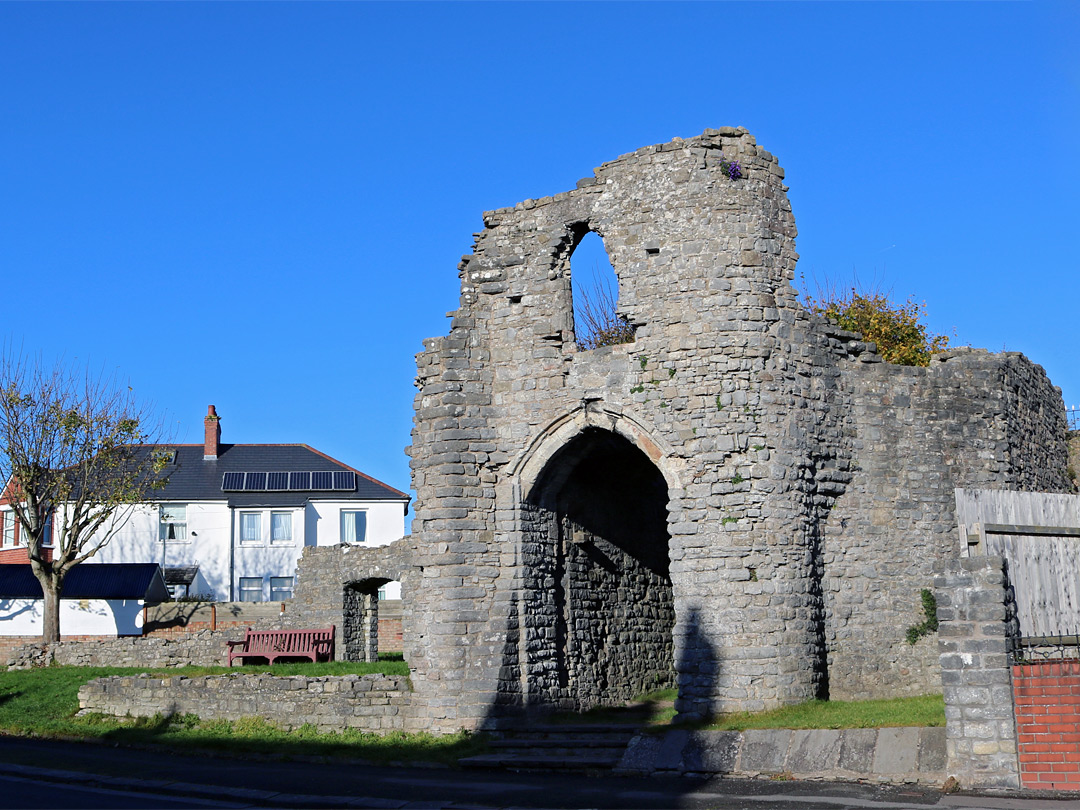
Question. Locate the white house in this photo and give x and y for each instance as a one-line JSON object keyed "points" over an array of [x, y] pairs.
{"points": [[233, 519]]}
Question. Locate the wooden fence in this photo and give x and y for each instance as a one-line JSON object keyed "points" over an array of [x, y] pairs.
{"points": [[1038, 534]]}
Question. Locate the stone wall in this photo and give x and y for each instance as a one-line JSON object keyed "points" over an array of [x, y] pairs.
{"points": [[973, 645], [808, 484], [971, 419], [202, 648], [375, 703], [338, 585]]}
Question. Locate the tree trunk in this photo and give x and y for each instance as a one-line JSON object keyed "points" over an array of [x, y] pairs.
{"points": [[50, 630]]}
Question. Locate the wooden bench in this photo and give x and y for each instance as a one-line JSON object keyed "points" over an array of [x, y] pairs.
{"points": [[313, 645]]}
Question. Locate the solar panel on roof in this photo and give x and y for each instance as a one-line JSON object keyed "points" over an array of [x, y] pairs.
{"points": [[277, 480], [232, 481], [256, 482], [344, 480], [299, 480], [324, 479]]}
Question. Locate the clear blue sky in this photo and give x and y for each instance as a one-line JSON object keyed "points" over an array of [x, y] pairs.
{"points": [[262, 206]]}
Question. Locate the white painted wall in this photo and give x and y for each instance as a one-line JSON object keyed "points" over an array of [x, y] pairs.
{"points": [[211, 526], [78, 617]]}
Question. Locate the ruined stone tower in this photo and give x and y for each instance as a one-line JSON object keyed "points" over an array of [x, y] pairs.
{"points": [[743, 502]]}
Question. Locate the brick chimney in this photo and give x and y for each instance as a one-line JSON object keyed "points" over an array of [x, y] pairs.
{"points": [[213, 433]]}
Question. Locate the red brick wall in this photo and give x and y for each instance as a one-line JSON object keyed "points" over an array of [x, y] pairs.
{"points": [[390, 635], [1047, 698], [17, 555], [174, 631]]}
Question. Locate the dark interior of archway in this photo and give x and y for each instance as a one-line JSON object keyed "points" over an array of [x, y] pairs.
{"points": [[596, 527], [607, 487]]}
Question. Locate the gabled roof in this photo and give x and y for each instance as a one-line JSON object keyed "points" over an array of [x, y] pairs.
{"points": [[90, 581], [193, 478]]}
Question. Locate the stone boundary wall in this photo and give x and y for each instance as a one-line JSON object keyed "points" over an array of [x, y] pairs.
{"points": [[973, 645], [203, 648], [898, 755], [375, 703]]}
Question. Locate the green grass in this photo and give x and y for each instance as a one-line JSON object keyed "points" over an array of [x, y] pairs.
{"points": [[657, 711], [43, 703], [927, 710]]}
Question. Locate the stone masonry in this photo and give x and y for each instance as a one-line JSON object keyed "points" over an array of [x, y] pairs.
{"points": [[375, 703], [744, 501], [974, 644]]}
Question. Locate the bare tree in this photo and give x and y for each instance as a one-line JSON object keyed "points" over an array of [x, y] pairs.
{"points": [[77, 453]]}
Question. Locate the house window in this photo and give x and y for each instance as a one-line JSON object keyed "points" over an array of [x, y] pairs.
{"points": [[9, 520], [353, 526], [250, 528], [281, 527], [251, 589], [173, 525], [280, 588]]}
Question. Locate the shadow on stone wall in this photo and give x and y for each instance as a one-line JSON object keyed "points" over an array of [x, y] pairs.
{"points": [[697, 669]]}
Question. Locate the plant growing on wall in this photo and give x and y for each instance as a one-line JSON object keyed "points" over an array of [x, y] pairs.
{"points": [[731, 168], [898, 329], [930, 623], [596, 321]]}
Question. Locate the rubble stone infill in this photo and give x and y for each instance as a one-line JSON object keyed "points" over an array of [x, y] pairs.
{"points": [[205, 648], [375, 703]]}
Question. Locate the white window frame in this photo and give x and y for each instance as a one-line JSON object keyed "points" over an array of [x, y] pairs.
{"points": [[7, 539], [278, 590], [241, 590], [259, 540], [341, 526], [162, 523], [289, 517]]}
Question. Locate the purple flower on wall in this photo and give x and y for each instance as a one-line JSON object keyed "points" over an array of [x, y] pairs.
{"points": [[733, 170]]}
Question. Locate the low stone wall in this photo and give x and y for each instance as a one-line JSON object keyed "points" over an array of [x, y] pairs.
{"points": [[375, 703], [896, 755], [204, 648]]}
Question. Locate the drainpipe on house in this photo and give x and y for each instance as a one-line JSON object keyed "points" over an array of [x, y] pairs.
{"points": [[232, 553]]}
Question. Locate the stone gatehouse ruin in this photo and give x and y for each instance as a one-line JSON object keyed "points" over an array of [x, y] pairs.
{"points": [[744, 502]]}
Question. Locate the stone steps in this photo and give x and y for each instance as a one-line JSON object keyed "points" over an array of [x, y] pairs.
{"points": [[593, 748]]}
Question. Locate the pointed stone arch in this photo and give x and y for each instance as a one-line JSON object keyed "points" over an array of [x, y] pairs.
{"points": [[597, 609]]}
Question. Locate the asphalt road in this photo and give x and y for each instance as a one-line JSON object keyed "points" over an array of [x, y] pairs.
{"points": [[49, 774]]}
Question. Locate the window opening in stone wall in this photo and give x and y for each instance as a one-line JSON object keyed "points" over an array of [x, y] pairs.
{"points": [[595, 292], [596, 521]]}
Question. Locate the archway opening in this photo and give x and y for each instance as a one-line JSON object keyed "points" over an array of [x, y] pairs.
{"points": [[596, 545], [595, 293], [360, 619]]}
